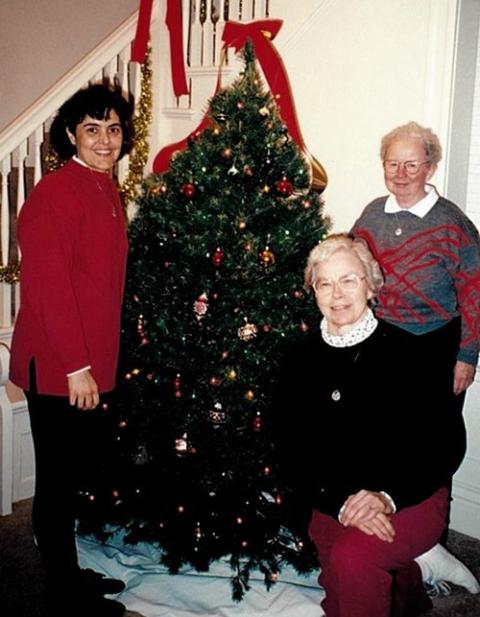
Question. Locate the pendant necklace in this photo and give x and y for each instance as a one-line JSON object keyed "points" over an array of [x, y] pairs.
{"points": [[398, 230], [107, 196], [336, 394]]}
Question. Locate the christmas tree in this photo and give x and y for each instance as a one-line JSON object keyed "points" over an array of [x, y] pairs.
{"points": [[214, 292]]}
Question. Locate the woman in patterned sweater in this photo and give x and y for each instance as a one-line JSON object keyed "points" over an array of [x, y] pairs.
{"points": [[429, 251]]}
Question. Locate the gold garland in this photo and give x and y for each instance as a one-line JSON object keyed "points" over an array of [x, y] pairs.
{"points": [[141, 123], [11, 273]]}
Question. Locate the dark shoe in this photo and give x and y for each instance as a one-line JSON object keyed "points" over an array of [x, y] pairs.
{"points": [[99, 584]]}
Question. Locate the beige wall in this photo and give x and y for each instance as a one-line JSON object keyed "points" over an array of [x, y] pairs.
{"points": [[40, 40]]}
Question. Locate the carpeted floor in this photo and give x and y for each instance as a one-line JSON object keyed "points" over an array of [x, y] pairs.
{"points": [[21, 574]]}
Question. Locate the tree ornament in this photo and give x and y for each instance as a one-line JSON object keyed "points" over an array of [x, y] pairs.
{"points": [[247, 170], [257, 423], [176, 385], [284, 187], [227, 153], [188, 189], [217, 415], [303, 327], [181, 444], [233, 171], [240, 105], [264, 111], [157, 189], [247, 332], [266, 188], [200, 306], [214, 380], [232, 374], [242, 223], [249, 395], [217, 257], [267, 258]]}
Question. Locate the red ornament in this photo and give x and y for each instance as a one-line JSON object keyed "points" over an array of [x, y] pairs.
{"points": [[188, 189], [217, 257], [284, 187], [257, 424]]}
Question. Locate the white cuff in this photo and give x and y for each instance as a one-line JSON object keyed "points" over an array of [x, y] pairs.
{"points": [[80, 370]]}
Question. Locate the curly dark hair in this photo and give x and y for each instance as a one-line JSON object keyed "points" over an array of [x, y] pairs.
{"points": [[96, 101]]}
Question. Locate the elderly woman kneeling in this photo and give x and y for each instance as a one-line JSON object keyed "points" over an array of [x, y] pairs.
{"points": [[364, 444]]}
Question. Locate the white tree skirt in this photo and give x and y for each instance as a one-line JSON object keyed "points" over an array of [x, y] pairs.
{"points": [[152, 592]]}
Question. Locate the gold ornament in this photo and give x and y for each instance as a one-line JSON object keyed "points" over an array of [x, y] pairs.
{"points": [[249, 395], [267, 257], [247, 332]]}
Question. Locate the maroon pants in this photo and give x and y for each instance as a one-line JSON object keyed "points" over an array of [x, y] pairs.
{"points": [[367, 577]]}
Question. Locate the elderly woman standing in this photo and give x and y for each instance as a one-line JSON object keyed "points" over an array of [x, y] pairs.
{"points": [[72, 236], [360, 447], [430, 255]]}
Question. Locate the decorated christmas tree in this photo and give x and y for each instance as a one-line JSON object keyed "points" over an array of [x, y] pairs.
{"points": [[214, 293]]}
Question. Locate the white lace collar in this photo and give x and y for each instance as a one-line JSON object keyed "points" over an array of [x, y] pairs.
{"points": [[354, 336]]}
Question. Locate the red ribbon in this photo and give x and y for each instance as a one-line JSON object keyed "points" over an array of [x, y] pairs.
{"points": [[161, 162], [175, 29], [262, 33], [174, 23], [235, 35]]}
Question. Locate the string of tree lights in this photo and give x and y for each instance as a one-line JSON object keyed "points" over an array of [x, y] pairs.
{"points": [[214, 292]]}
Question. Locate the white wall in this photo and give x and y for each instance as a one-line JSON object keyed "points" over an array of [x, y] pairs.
{"points": [[40, 40], [357, 69]]}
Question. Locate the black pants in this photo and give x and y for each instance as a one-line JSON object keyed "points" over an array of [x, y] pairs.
{"points": [[436, 352], [67, 443]]}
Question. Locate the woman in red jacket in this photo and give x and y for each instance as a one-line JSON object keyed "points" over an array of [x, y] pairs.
{"points": [[72, 237]]}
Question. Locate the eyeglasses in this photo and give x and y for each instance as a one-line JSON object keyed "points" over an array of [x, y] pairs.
{"points": [[347, 284], [411, 167]]}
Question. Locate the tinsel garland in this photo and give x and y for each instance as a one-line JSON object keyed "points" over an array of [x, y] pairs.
{"points": [[141, 123], [11, 273]]}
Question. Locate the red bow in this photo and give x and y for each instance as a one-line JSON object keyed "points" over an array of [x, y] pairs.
{"points": [[261, 33]]}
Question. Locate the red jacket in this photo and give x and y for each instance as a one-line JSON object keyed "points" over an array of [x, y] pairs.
{"points": [[73, 259]]}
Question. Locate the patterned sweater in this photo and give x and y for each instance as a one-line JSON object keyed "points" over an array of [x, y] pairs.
{"points": [[431, 267]]}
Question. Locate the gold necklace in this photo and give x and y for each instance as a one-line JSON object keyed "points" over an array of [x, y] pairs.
{"points": [[109, 197]]}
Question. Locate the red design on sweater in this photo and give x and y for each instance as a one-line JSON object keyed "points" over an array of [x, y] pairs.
{"points": [[408, 267]]}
